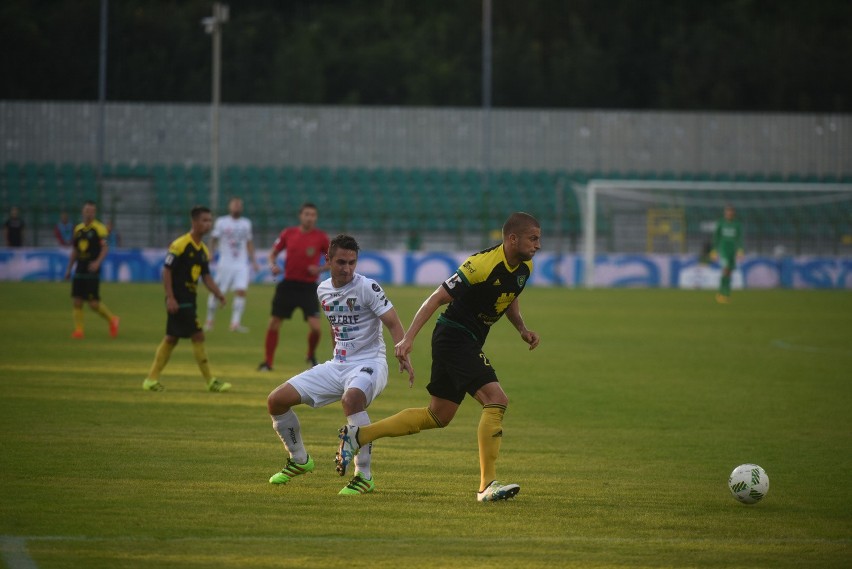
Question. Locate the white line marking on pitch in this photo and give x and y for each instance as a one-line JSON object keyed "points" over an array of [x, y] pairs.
{"points": [[15, 553]]}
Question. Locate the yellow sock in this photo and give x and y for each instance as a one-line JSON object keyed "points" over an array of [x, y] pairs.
{"points": [[104, 312], [490, 435], [161, 358], [406, 422], [78, 318], [201, 357]]}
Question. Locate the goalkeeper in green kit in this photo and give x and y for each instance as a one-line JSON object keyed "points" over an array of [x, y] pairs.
{"points": [[727, 248]]}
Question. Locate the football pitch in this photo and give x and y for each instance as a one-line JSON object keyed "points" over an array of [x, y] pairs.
{"points": [[622, 429]]}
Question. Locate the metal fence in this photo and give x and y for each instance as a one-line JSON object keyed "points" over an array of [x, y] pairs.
{"points": [[381, 137]]}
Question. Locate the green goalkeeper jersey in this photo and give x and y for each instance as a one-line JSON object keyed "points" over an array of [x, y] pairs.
{"points": [[728, 238]]}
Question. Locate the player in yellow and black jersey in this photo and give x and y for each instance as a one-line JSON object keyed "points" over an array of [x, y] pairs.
{"points": [[485, 287], [89, 248], [482, 290], [186, 262]]}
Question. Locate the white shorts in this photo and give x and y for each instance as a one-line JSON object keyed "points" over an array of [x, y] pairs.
{"points": [[325, 383], [232, 277]]}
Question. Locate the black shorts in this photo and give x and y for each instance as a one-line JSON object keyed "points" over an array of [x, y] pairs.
{"points": [[290, 295], [87, 287], [458, 364], [183, 323]]}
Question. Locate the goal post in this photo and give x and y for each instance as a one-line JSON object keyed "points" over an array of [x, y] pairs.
{"points": [[826, 207]]}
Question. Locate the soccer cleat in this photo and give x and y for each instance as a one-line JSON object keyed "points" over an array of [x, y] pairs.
{"points": [[291, 470], [239, 328], [77, 334], [217, 386], [152, 385], [263, 366], [348, 435], [722, 299], [311, 361], [208, 326], [358, 485], [113, 326], [496, 491]]}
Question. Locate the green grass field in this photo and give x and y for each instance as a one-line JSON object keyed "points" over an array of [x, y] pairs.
{"points": [[622, 429]]}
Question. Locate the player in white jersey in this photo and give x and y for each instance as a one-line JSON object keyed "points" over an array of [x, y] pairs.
{"points": [[356, 308], [232, 237]]}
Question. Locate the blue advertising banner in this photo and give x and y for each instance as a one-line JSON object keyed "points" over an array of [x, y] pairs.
{"points": [[430, 268]]}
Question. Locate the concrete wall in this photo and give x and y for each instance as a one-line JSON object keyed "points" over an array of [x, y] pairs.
{"points": [[431, 137]]}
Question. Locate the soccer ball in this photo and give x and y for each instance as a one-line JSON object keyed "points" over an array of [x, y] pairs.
{"points": [[748, 483]]}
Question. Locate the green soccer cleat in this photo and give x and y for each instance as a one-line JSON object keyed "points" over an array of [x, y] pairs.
{"points": [[497, 491], [358, 485], [217, 386], [291, 470], [152, 385]]}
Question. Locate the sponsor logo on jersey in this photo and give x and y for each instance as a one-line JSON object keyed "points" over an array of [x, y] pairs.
{"points": [[503, 302]]}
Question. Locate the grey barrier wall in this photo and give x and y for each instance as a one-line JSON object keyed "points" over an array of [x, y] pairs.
{"points": [[372, 137]]}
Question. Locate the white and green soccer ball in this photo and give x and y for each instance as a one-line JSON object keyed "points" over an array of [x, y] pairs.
{"points": [[748, 483]]}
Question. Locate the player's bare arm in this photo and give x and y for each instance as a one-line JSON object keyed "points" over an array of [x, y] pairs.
{"points": [[273, 263], [96, 264], [391, 321], [437, 299], [513, 313], [211, 286], [71, 260], [172, 305], [251, 254], [317, 269]]}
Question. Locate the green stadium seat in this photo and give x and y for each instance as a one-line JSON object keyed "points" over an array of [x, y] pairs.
{"points": [[123, 170], [803, 178], [199, 175]]}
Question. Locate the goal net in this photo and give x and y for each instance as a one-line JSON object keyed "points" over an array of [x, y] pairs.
{"points": [[679, 217]]}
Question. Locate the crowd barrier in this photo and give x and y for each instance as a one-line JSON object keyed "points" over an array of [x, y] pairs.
{"points": [[430, 268]]}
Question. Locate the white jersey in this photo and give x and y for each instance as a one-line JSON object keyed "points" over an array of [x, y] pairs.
{"points": [[234, 236], [353, 311]]}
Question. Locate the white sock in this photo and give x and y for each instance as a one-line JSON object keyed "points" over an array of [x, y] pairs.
{"points": [[211, 308], [290, 431], [239, 306], [365, 455]]}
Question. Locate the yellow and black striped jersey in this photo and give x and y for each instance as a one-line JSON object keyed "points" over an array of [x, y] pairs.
{"points": [[188, 261], [482, 289], [88, 241]]}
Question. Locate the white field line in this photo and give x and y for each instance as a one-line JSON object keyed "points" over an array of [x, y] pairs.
{"points": [[15, 554], [19, 543]]}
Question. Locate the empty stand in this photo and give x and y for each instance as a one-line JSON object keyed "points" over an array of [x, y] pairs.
{"points": [[391, 202]]}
